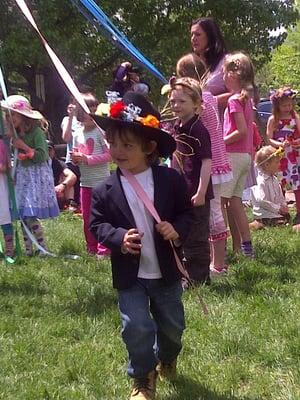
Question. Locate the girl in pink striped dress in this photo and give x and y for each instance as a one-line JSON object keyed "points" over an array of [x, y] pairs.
{"points": [[220, 174]]}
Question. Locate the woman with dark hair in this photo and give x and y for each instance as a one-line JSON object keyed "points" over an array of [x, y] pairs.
{"points": [[208, 43]]}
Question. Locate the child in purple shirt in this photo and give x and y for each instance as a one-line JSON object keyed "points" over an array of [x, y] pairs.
{"points": [[193, 159]]}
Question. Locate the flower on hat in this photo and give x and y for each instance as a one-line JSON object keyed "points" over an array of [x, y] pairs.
{"points": [[150, 120], [116, 109], [20, 105], [130, 113]]}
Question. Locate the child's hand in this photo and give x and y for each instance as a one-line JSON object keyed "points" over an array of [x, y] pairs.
{"points": [[198, 200], [59, 190], [132, 242], [18, 143], [167, 230], [78, 157], [284, 209]]}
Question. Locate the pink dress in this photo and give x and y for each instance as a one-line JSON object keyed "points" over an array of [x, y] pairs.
{"points": [[221, 169], [290, 163]]}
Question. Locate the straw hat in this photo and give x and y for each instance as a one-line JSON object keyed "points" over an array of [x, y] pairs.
{"points": [[20, 105]]}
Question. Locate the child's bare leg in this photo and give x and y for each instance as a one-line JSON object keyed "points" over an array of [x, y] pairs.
{"points": [[235, 234], [9, 239], [69, 193], [218, 253], [241, 219]]}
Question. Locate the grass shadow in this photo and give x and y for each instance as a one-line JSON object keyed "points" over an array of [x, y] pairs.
{"points": [[250, 279], [92, 304], [25, 289], [188, 389]]}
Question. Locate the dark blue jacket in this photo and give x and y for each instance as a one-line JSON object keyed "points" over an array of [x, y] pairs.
{"points": [[111, 218]]}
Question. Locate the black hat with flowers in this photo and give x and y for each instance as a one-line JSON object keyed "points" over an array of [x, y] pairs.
{"points": [[136, 112]]}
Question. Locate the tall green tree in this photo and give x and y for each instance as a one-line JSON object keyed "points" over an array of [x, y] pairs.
{"points": [[285, 63], [160, 29]]}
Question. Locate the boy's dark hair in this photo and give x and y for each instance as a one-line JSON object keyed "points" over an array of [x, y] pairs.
{"points": [[123, 133]]}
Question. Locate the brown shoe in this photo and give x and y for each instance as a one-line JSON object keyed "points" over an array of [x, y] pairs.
{"points": [[144, 388], [167, 370]]}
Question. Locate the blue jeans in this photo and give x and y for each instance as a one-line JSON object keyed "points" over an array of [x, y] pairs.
{"points": [[152, 324]]}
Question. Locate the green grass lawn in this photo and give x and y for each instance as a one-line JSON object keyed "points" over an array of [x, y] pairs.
{"points": [[60, 330]]}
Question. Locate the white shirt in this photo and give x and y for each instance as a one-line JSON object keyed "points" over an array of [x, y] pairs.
{"points": [[267, 197], [149, 266], [91, 143], [75, 125]]}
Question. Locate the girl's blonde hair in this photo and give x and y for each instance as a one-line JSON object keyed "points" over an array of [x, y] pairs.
{"points": [[276, 97], [190, 65], [190, 86], [266, 154], [242, 66]]}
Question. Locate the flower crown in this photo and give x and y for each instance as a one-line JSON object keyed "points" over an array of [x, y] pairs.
{"points": [[130, 113], [277, 153], [275, 95]]}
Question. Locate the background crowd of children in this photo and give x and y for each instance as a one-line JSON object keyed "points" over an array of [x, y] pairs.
{"points": [[210, 140], [212, 101]]}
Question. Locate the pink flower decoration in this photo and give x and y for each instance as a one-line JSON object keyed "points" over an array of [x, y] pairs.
{"points": [[20, 105]]}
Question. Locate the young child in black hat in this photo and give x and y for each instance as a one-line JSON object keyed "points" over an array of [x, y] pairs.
{"points": [[144, 268]]}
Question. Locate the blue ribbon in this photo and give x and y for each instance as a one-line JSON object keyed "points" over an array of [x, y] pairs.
{"points": [[99, 19]]}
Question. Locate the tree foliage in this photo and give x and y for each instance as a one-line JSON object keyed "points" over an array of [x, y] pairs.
{"points": [[284, 67], [160, 29]]}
